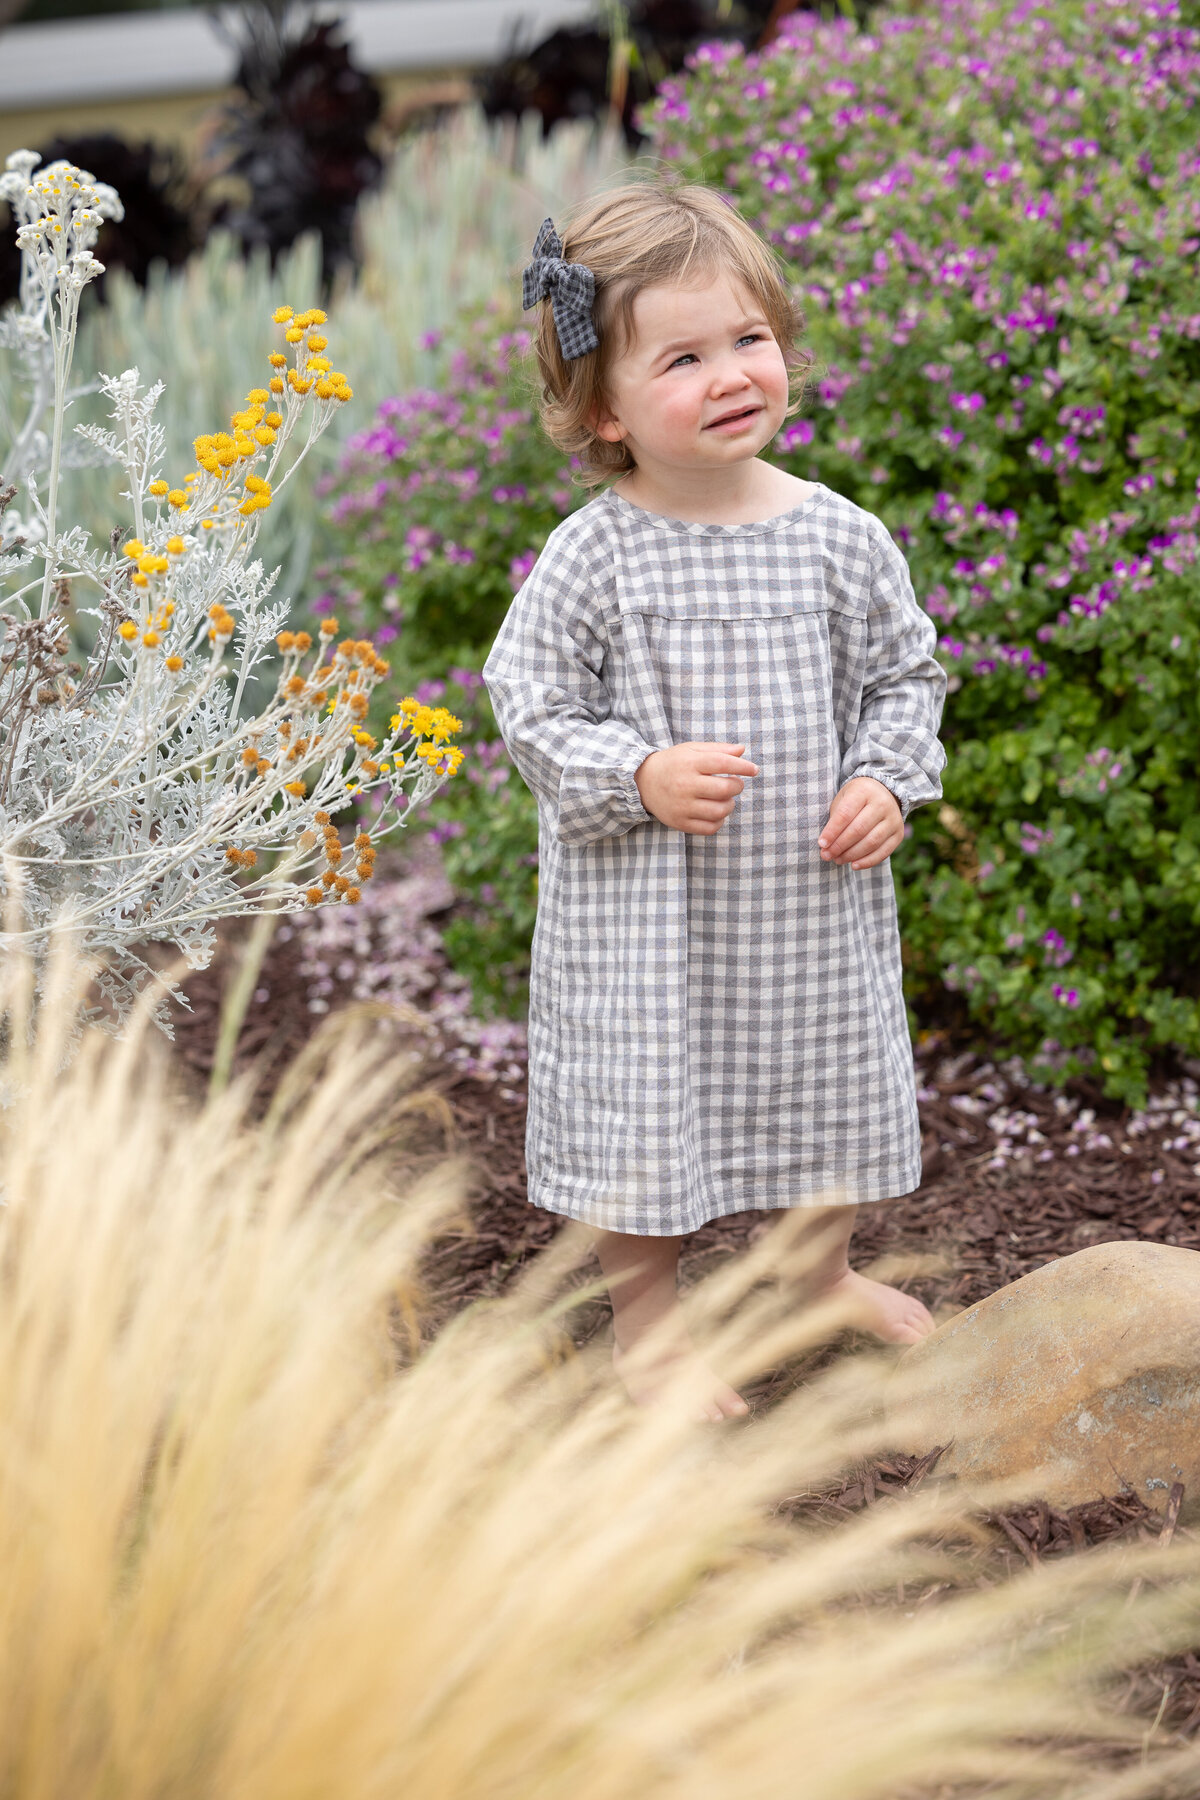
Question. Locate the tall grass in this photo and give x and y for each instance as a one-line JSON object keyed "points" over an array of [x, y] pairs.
{"points": [[260, 1544], [448, 232]]}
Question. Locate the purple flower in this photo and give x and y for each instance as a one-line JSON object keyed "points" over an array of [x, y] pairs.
{"points": [[1057, 952], [797, 434], [519, 567]]}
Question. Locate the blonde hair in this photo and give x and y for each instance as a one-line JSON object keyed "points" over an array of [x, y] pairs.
{"points": [[641, 236]]}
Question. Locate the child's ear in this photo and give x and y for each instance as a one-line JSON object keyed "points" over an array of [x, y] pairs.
{"points": [[606, 426]]}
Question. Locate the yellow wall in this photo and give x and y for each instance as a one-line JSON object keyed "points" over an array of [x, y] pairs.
{"points": [[174, 121], [178, 120]]}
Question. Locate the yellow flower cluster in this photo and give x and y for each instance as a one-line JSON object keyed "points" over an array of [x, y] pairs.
{"points": [[311, 369], [258, 496], [255, 427], [253, 431], [434, 723], [158, 608], [334, 885], [329, 706], [221, 629]]}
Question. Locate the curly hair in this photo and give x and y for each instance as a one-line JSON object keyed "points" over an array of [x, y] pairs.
{"points": [[639, 236]]}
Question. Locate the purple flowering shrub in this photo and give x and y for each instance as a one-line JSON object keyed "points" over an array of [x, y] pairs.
{"points": [[992, 212], [444, 502]]}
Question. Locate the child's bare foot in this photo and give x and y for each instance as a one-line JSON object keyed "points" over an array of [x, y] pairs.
{"points": [[883, 1311], [648, 1380]]}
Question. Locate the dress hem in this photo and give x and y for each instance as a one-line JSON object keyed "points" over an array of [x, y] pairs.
{"points": [[870, 1194]]}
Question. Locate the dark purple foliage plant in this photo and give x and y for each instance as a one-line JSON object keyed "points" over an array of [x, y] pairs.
{"points": [[297, 136]]}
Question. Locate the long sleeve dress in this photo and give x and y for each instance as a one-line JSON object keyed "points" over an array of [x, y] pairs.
{"points": [[715, 1022]]}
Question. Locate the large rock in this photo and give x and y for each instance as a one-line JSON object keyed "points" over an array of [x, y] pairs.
{"points": [[1081, 1379]]}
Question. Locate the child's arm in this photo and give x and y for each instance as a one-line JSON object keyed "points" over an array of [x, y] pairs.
{"points": [[896, 741], [542, 675]]}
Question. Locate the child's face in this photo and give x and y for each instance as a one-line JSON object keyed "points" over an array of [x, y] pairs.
{"points": [[703, 383]]}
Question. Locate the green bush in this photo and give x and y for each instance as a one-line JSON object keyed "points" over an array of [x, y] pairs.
{"points": [[487, 826], [992, 213]]}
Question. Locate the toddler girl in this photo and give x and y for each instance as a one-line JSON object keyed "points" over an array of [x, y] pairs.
{"points": [[719, 686]]}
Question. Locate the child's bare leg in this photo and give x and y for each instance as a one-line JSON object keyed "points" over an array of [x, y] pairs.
{"points": [[884, 1311], [641, 1272]]}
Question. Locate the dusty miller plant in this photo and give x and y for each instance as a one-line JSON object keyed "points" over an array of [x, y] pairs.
{"points": [[142, 795]]}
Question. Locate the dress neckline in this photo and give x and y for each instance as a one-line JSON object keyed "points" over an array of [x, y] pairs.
{"points": [[751, 528]]}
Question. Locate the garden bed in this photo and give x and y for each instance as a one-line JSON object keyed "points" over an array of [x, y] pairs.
{"points": [[1015, 1174]]}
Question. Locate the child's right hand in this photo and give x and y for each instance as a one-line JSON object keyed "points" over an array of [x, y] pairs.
{"points": [[693, 787]]}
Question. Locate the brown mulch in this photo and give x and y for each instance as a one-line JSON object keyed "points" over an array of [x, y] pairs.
{"points": [[1166, 1690], [986, 1225]]}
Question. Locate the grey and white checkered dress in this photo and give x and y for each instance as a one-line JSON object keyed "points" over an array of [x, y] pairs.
{"points": [[715, 1022]]}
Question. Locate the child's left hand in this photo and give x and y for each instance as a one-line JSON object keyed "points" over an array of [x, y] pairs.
{"points": [[865, 825]]}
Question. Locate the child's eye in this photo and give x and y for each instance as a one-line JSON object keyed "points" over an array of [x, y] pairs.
{"points": [[749, 337]]}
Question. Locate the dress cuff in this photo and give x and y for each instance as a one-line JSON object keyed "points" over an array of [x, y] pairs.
{"points": [[627, 769], [892, 785]]}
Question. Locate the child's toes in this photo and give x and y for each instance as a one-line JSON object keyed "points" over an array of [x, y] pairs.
{"points": [[913, 1321]]}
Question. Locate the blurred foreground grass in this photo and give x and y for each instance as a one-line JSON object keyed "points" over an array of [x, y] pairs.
{"points": [[260, 1543]]}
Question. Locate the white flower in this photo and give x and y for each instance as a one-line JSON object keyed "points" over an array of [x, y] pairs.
{"points": [[22, 163], [84, 268], [107, 200], [64, 170]]}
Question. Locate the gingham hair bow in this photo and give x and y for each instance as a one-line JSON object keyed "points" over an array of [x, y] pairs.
{"points": [[572, 290]]}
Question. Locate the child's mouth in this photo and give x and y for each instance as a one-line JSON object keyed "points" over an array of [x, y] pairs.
{"points": [[742, 417]]}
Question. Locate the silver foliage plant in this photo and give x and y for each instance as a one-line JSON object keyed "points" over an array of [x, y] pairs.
{"points": [[142, 796]]}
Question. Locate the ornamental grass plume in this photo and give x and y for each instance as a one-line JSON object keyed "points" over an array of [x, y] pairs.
{"points": [[144, 792], [262, 1544]]}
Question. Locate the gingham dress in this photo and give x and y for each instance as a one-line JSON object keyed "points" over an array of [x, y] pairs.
{"points": [[715, 1022]]}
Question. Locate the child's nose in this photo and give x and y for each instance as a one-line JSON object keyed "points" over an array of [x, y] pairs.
{"points": [[729, 373]]}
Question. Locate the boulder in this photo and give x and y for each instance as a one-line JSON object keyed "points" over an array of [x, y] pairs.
{"points": [[1081, 1379]]}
